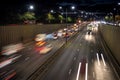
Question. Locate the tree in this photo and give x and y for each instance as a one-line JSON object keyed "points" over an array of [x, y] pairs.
{"points": [[61, 18], [117, 18], [111, 18], [69, 19], [107, 18], [50, 17], [27, 16]]}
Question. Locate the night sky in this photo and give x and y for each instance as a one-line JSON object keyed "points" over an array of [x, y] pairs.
{"points": [[22, 4], [8, 7]]}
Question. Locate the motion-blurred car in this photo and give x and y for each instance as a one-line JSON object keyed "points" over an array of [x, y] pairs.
{"points": [[46, 49], [59, 33], [76, 29], [63, 33], [55, 35], [70, 32], [89, 28], [7, 75], [66, 35], [40, 43], [11, 49], [40, 37], [9, 61]]}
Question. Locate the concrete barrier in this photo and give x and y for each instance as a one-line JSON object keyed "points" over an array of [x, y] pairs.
{"points": [[111, 36], [24, 33]]}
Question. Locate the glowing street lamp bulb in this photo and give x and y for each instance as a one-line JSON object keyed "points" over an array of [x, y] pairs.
{"points": [[119, 3], [31, 7], [73, 7], [51, 11], [79, 21], [60, 7], [82, 12]]}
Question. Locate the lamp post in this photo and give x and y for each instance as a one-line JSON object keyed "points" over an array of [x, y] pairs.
{"points": [[66, 27], [66, 17]]}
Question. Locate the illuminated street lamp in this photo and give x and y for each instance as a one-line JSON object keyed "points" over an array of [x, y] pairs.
{"points": [[60, 7], [52, 11], [119, 3], [73, 7], [82, 12], [31, 7], [114, 9], [66, 12]]}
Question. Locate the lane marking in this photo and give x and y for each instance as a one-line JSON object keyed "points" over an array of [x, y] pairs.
{"points": [[74, 58], [27, 58], [86, 74], [70, 71], [93, 74], [98, 59], [103, 60], [91, 50], [80, 44], [78, 73], [92, 60], [77, 49]]}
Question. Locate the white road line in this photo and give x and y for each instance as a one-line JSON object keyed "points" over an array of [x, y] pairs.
{"points": [[74, 58], [86, 74], [70, 71], [93, 74], [92, 60], [27, 58], [91, 50], [103, 60], [78, 73], [98, 59], [80, 44], [77, 49]]}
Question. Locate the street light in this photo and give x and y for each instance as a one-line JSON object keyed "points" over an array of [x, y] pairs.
{"points": [[119, 3], [66, 12], [114, 9], [82, 12], [60, 7], [31, 7], [52, 11], [73, 7]]}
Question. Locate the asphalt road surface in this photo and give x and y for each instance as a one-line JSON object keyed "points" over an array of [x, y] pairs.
{"points": [[82, 59], [30, 59]]}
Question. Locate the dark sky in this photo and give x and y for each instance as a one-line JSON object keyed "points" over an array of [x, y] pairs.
{"points": [[52, 2], [7, 6], [4, 4]]}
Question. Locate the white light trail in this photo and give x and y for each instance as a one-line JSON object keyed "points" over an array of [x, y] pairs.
{"points": [[103, 60], [98, 59], [78, 73], [86, 74]]}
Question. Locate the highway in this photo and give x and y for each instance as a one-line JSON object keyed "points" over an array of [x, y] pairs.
{"points": [[82, 59], [30, 59]]}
